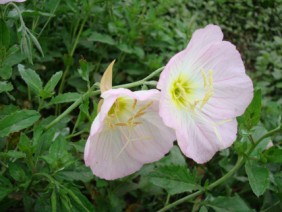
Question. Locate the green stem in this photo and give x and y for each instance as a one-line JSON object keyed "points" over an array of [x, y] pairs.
{"points": [[270, 133], [19, 12], [221, 180], [71, 54], [90, 92], [49, 19]]}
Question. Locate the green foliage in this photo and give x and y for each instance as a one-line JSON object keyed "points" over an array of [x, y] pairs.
{"points": [[174, 179], [226, 204], [52, 52], [31, 78], [273, 155], [251, 116], [66, 97], [17, 121], [48, 90], [258, 176]]}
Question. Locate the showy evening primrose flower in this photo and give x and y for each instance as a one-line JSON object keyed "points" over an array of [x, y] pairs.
{"points": [[7, 1], [203, 89], [127, 133]]}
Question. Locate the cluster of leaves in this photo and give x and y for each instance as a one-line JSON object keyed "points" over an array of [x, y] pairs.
{"points": [[41, 164]]}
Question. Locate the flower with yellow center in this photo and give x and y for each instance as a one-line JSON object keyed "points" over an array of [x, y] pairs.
{"points": [[203, 89], [127, 132]]}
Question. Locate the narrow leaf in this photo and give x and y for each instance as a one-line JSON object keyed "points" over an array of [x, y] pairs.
{"points": [[102, 38], [35, 42], [17, 121], [64, 98], [51, 84], [31, 78]]}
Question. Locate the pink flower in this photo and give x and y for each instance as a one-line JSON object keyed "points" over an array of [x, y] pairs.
{"points": [[7, 1], [203, 89], [127, 133]]}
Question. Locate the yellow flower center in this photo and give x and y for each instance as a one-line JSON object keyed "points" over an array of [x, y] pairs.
{"points": [[180, 91], [124, 113], [188, 94]]}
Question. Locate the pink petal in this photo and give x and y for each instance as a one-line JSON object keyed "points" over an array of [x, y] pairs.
{"points": [[105, 157], [202, 38], [200, 140], [233, 89], [154, 137], [183, 61]]}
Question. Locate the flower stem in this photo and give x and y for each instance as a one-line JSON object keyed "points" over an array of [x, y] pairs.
{"points": [[90, 92], [221, 180], [71, 54]]}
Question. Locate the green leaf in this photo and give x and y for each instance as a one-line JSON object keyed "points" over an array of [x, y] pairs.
{"points": [[251, 116], [273, 155], [125, 48], [5, 187], [51, 84], [5, 72], [12, 154], [7, 110], [228, 204], [203, 209], [84, 70], [33, 13], [17, 121], [258, 132], [5, 86], [102, 38], [31, 78], [16, 172], [175, 157], [35, 41], [258, 176], [79, 201], [26, 47], [58, 156], [64, 98], [5, 34], [139, 52], [79, 145], [24, 145], [54, 200], [80, 173], [174, 179], [14, 57]]}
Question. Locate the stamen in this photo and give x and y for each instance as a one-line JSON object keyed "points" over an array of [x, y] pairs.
{"points": [[134, 104], [217, 133], [223, 122], [204, 78], [208, 87]]}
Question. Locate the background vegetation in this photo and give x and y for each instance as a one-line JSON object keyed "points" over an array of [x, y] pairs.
{"points": [[61, 49]]}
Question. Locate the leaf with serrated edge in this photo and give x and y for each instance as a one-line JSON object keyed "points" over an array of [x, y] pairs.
{"points": [[258, 176]]}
